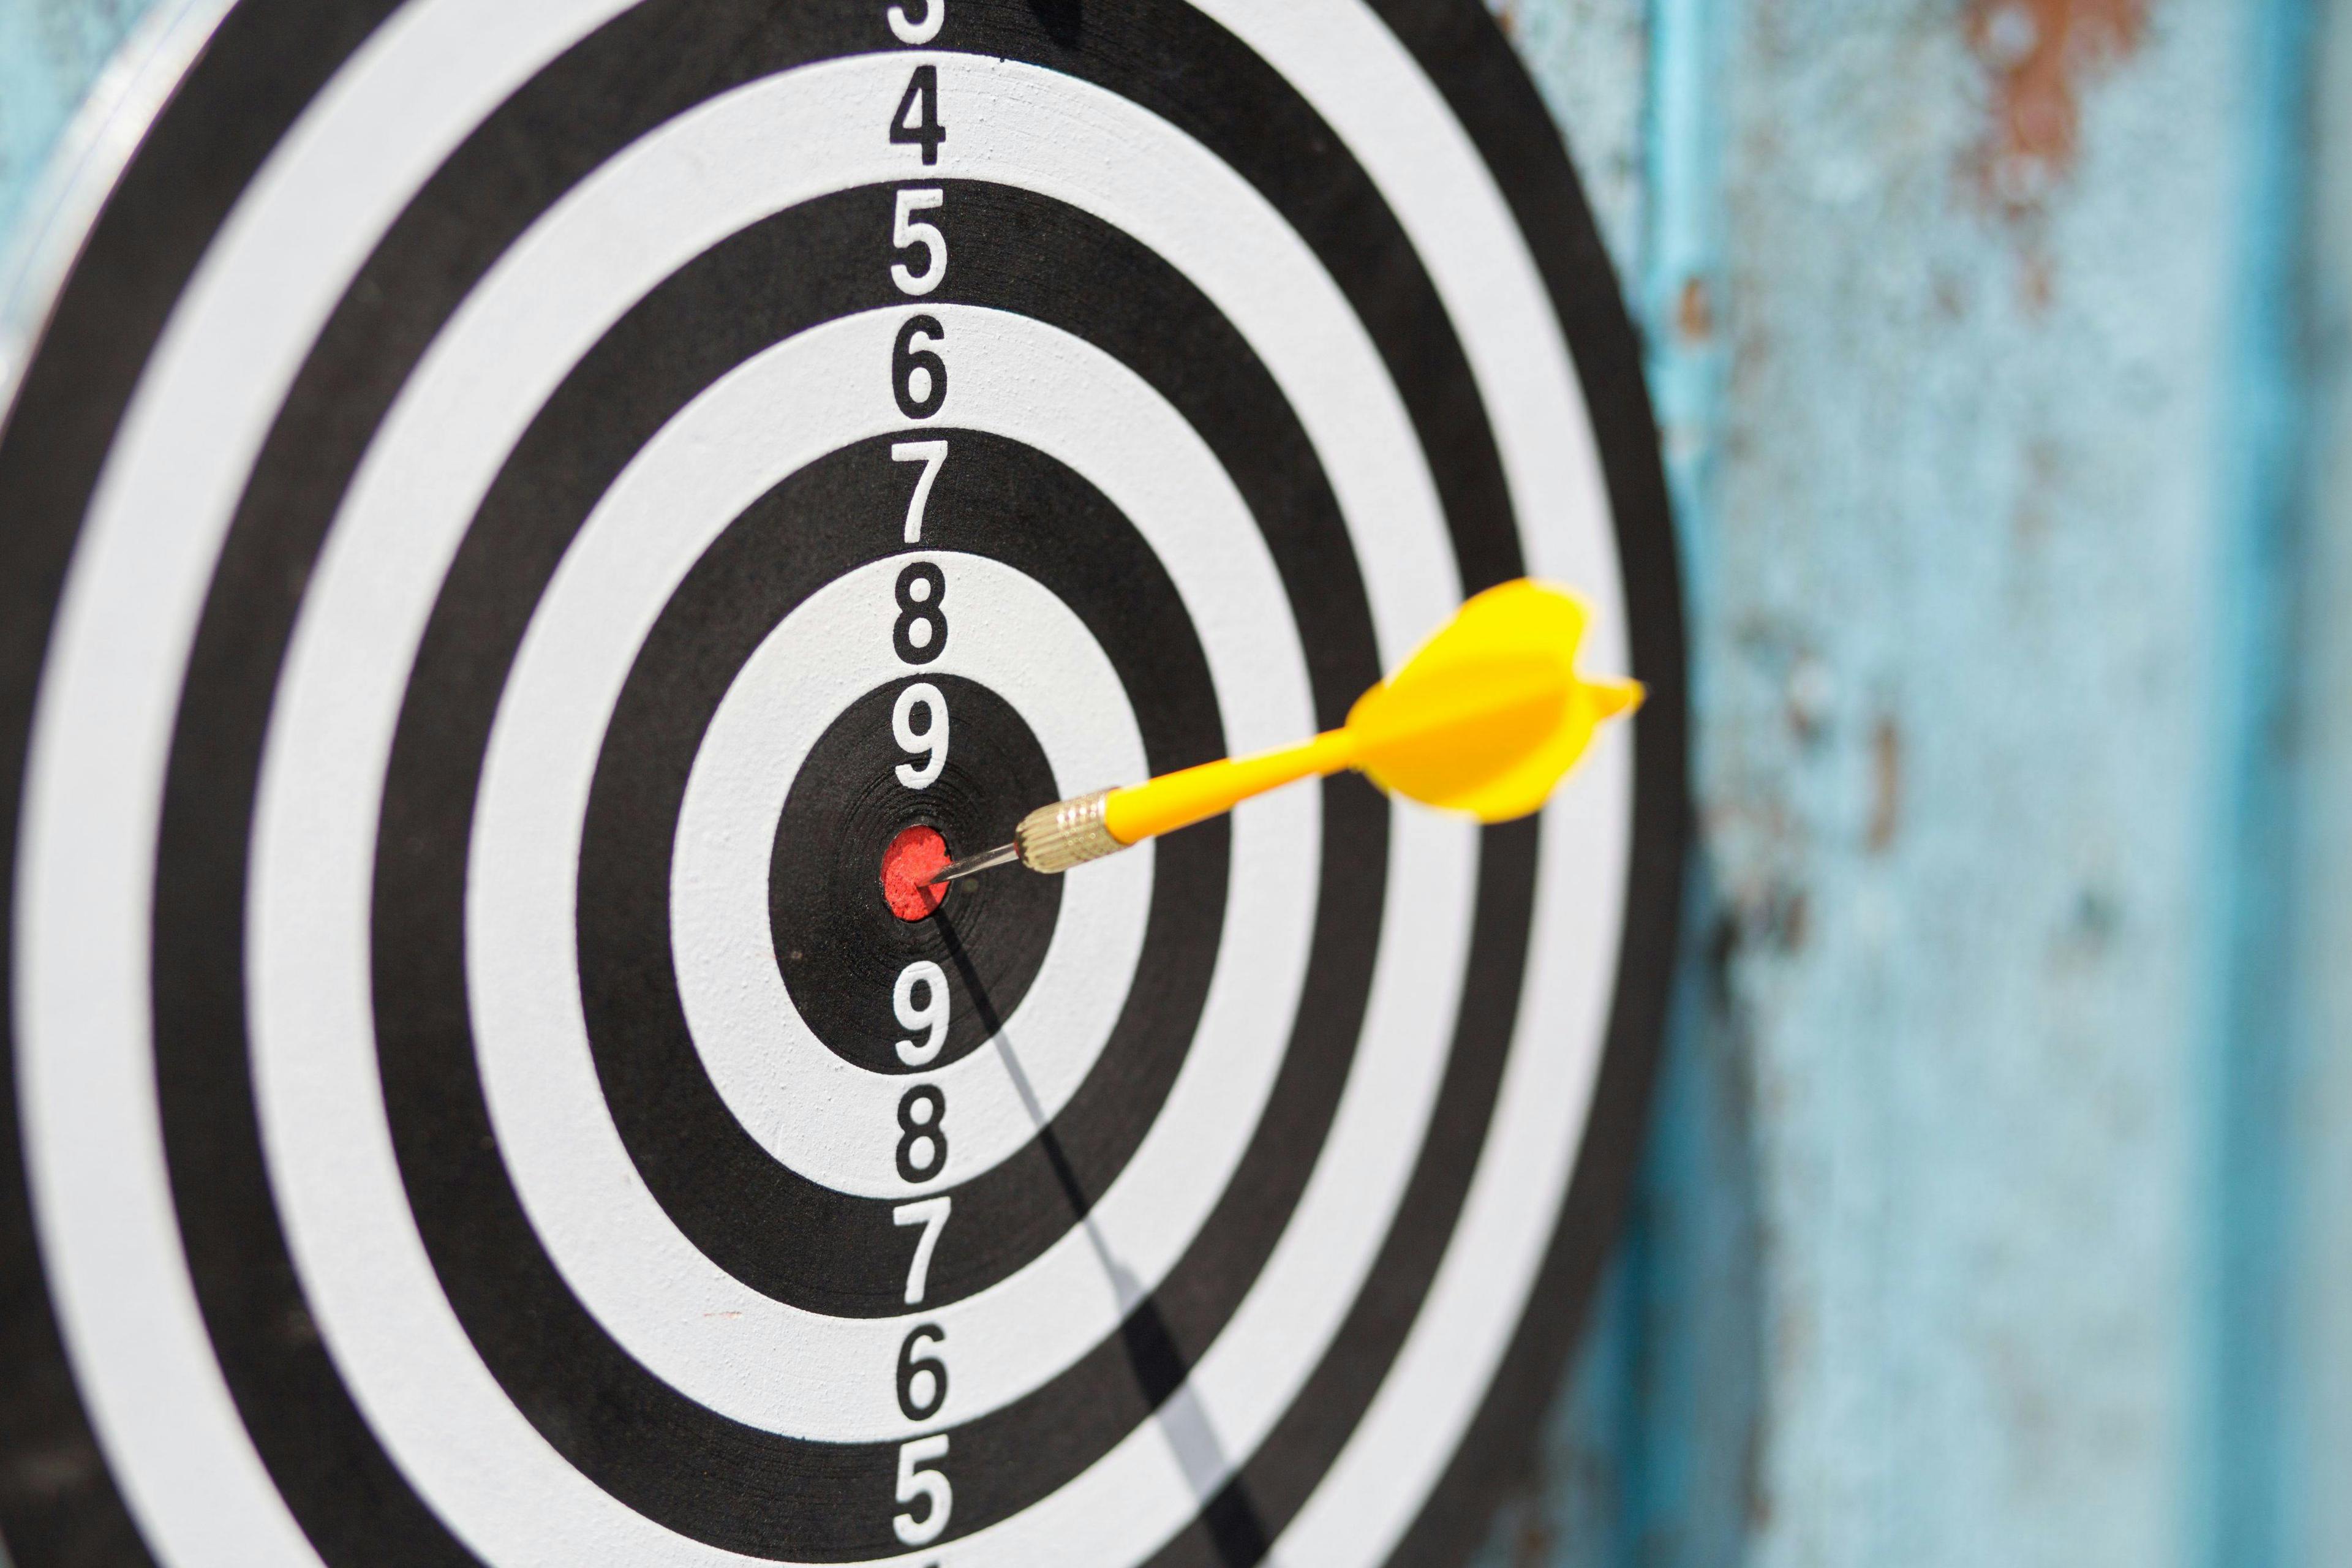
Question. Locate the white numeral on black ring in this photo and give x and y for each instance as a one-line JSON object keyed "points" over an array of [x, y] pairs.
{"points": [[935, 14], [906, 234], [931, 1213], [928, 1486], [931, 742], [932, 455]]}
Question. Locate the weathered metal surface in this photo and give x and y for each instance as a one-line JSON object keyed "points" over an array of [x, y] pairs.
{"points": [[1972, 338], [1964, 324], [2318, 1319], [50, 53]]}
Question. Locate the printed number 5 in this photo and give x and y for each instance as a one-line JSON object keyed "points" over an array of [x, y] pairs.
{"points": [[922, 31], [906, 234], [930, 1485]]}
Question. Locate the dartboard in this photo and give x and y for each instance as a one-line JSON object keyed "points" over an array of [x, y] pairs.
{"points": [[517, 509]]}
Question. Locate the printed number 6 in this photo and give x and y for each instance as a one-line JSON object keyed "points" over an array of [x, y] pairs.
{"points": [[906, 235], [907, 361], [916, 1482], [922, 1379]]}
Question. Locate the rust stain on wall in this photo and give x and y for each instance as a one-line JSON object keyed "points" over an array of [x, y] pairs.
{"points": [[2041, 53], [1887, 785], [1694, 311]]}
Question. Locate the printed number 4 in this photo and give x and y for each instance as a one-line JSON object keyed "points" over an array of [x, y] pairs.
{"points": [[917, 123]]}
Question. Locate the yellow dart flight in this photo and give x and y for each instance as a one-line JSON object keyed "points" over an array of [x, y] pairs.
{"points": [[1485, 719]]}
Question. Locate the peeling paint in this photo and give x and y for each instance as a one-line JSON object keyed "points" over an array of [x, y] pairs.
{"points": [[2041, 53]]}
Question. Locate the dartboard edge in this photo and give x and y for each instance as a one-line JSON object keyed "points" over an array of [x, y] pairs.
{"points": [[517, 509]]}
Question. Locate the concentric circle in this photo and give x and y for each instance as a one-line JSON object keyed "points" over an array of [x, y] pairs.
{"points": [[789, 1238], [765, 1057], [847, 926], [544, 493]]}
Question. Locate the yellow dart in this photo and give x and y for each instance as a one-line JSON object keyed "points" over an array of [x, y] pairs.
{"points": [[1485, 719]]}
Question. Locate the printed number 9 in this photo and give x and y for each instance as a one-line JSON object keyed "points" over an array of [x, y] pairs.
{"points": [[932, 1016], [930, 741]]}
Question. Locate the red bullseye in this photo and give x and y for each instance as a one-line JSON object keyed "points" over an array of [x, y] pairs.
{"points": [[908, 867]]}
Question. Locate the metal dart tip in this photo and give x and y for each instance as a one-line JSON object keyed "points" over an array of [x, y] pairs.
{"points": [[1002, 855]]}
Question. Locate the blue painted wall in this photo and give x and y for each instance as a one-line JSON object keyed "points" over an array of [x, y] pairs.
{"points": [[1995, 1210], [1999, 1202], [51, 52]]}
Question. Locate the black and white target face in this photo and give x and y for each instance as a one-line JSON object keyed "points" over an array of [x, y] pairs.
{"points": [[515, 505]]}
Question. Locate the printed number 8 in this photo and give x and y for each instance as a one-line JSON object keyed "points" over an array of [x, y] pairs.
{"points": [[920, 634], [921, 1112]]}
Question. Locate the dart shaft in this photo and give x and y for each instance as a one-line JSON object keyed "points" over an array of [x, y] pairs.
{"points": [[1485, 720], [1051, 838], [986, 860], [1088, 826], [1195, 794]]}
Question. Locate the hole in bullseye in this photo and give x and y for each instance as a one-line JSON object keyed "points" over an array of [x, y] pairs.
{"points": [[908, 865]]}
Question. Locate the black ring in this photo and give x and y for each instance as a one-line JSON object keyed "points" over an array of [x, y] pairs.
{"points": [[840, 946], [781, 1233], [582, 1392], [593, 1416], [265, 62]]}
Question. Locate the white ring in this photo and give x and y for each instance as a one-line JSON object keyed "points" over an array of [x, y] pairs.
{"points": [[767, 1064], [130, 1314], [753, 1359], [452, 1465], [510, 339], [1340, 57]]}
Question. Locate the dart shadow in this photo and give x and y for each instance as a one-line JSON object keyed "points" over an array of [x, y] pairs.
{"points": [[1235, 1532]]}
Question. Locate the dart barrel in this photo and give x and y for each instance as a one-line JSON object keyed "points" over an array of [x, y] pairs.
{"points": [[1068, 833]]}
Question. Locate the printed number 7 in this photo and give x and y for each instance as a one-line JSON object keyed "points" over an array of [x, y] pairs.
{"points": [[931, 1213]]}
